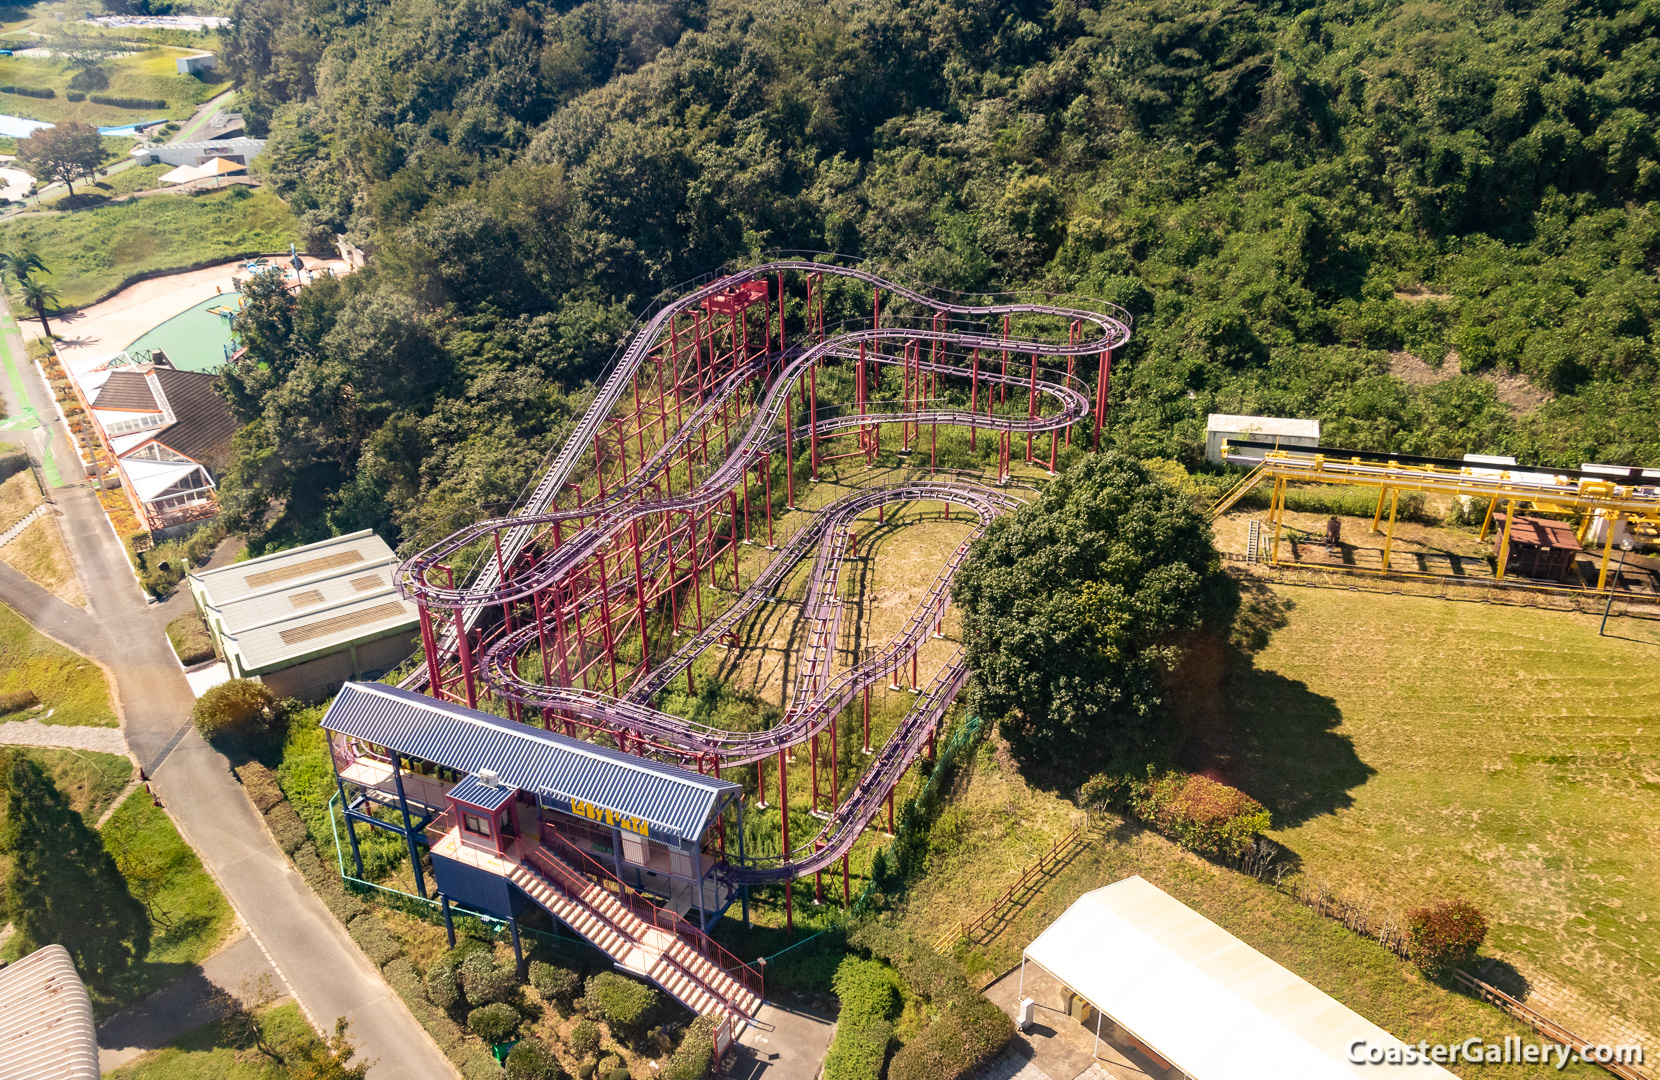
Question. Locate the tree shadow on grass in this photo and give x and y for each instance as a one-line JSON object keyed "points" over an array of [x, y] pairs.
{"points": [[1272, 737]]}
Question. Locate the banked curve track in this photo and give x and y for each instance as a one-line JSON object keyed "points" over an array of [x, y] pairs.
{"points": [[818, 696]]}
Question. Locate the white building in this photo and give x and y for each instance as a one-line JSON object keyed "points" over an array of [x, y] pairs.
{"points": [[46, 1019], [1144, 970], [1222, 427], [190, 65], [306, 620], [241, 151]]}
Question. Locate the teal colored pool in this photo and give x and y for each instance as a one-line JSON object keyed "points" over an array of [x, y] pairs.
{"points": [[198, 339]]}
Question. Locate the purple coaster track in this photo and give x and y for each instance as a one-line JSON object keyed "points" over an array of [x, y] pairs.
{"points": [[545, 558]]}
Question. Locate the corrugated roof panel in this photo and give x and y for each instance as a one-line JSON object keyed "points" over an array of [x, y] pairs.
{"points": [[226, 583], [46, 1025], [671, 799], [265, 645]]}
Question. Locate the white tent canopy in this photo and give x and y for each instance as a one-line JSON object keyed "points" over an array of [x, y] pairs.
{"points": [[184, 174], [1201, 998]]}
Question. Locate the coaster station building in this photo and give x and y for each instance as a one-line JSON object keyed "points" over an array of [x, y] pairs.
{"points": [[627, 851]]}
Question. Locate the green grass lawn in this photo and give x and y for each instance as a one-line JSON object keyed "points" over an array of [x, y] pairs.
{"points": [[90, 252], [148, 73], [125, 182], [1413, 749], [210, 1053], [90, 780], [995, 824], [66, 684], [189, 916]]}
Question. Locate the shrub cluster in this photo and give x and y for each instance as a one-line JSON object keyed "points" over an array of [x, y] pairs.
{"points": [[486, 982], [126, 102], [1445, 934], [694, 1058], [30, 91], [625, 1005], [76, 95], [530, 1059], [869, 994], [192, 643], [557, 986], [585, 1039], [967, 1030], [1196, 812], [494, 1023], [374, 939]]}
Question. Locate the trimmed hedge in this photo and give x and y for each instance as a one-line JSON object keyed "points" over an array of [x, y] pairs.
{"points": [[530, 1059], [585, 1039], [374, 939], [1445, 934], [968, 1030], [286, 826], [869, 993], [30, 91], [694, 1058], [129, 102], [485, 982], [859, 1050], [260, 785], [867, 989], [444, 983], [325, 882], [76, 95], [625, 1005], [556, 985], [494, 1023]]}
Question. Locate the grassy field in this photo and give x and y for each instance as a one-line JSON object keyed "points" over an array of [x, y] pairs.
{"points": [[996, 824], [125, 182], [19, 493], [90, 252], [38, 552], [148, 73], [1413, 749], [68, 685], [90, 780], [210, 1053], [189, 916]]}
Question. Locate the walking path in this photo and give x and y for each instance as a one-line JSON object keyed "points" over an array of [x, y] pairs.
{"points": [[63, 737], [183, 1005], [317, 960]]}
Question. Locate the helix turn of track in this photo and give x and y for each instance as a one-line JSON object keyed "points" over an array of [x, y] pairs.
{"points": [[954, 335]]}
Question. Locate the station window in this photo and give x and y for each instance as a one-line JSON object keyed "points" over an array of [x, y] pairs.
{"points": [[475, 823]]}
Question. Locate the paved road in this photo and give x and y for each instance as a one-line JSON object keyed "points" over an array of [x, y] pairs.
{"points": [[324, 968]]}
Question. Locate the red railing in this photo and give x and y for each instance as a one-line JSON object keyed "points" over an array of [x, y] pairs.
{"points": [[592, 869]]}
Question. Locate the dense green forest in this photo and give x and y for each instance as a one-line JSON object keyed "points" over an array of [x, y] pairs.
{"points": [[1431, 225]]}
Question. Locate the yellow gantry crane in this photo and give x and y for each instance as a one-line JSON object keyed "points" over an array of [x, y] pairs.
{"points": [[1591, 496]]}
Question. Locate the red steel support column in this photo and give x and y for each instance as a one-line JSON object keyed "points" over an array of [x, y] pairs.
{"points": [[784, 833], [640, 593], [461, 637], [812, 759], [1103, 385], [761, 783], [429, 645], [867, 718], [789, 454], [812, 415]]}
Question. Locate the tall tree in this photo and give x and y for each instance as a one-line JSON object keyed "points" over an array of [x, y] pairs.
{"points": [[37, 294], [68, 152], [63, 887], [20, 263], [1079, 608]]}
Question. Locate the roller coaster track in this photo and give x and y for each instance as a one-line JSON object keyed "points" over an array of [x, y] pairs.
{"points": [[820, 694]]}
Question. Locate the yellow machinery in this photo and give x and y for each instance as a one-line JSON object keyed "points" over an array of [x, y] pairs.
{"points": [[1591, 497]]}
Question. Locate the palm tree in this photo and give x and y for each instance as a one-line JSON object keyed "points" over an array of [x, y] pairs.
{"points": [[20, 264], [37, 295]]}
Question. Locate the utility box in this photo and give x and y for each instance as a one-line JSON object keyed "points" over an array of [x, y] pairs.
{"points": [[1280, 430], [1028, 1014]]}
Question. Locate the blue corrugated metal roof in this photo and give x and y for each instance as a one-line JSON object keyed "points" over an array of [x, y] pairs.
{"points": [[473, 793], [670, 799]]}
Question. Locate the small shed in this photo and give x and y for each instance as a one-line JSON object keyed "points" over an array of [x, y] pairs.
{"points": [[1539, 547], [193, 65], [1285, 431]]}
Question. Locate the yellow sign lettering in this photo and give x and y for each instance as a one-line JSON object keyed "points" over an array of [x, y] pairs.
{"points": [[607, 816]]}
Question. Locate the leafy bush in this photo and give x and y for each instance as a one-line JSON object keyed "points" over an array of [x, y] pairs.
{"points": [[30, 91], [620, 1073], [1445, 934], [557, 985], [443, 983], [585, 1039], [1200, 814], [485, 982], [694, 1058], [75, 95], [127, 102], [287, 828], [241, 709], [494, 1023], [531, 1059], [859, 1050], [625, 1005], [867, 989], [968, 1030], [17, 700]]}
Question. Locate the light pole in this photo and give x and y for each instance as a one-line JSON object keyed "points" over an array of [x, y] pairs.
{"points": [[1625, 549]]}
